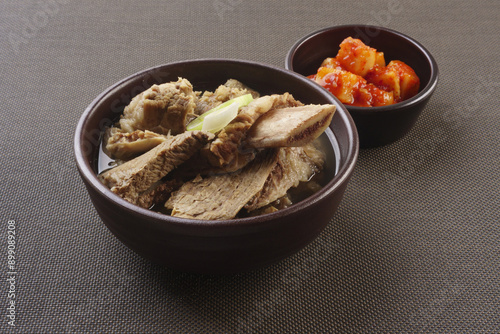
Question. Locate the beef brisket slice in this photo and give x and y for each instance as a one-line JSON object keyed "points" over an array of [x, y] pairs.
{"points": [[157, 193], [294, 126], [294, 165], [136, 176], [222, 196]]}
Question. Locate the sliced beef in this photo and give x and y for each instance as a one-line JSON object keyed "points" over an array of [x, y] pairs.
{"points": [[284, 127], [158, 193], [222, 196], [294, 165], [164, 108], [224, 150], [137, 176], [200, 164], [279, 204], [125, 145]]}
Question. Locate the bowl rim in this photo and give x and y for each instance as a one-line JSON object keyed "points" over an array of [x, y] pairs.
{"points": [[421, 96], [88, 174]]}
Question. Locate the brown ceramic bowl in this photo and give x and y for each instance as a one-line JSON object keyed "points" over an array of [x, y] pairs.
{"points": [[226, 246], [376, 125]]}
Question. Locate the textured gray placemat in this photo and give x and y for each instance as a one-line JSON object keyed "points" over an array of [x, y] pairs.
{"points": [[414, 247]]}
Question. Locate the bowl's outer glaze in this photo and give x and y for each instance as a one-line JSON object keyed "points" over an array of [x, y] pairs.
{"points": [[213, 246], [376, 125]]}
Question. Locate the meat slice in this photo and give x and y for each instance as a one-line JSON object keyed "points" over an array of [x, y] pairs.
{"points": [[294, 126], [157, 193], [294, 165], [222, 196], [230, 90], [279, 204], [162, 108], [137, 176], [125, 145], [224, 150], [199, 164]]}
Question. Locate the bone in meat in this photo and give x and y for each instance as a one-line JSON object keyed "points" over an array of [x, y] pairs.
{"points": [[225, 148], [162, 108], [284, 127]]}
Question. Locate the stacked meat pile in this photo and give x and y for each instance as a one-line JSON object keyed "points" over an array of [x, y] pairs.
{"points": [[248, 165]]}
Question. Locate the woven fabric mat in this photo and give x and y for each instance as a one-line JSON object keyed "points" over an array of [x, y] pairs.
{"points": [[413, 248]]}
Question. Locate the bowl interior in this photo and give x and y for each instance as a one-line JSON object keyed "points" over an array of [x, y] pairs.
{"points": [[307, 54], [208, 74]]}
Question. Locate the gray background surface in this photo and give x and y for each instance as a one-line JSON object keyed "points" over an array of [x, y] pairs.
{"points": [[413, 248]]}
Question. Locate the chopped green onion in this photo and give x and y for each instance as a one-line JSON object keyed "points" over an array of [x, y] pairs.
{"points": [[197, 123], [217, 120]]}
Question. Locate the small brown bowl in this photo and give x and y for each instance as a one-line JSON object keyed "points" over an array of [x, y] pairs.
{"points": [[376, 126], [226, 246]]}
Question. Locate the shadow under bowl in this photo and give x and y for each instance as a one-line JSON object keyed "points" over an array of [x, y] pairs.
{"points": [[376, 126], [226, 246]]}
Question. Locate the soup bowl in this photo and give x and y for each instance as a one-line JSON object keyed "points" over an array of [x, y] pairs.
{"points": [[222, 246], [382, 125]]}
